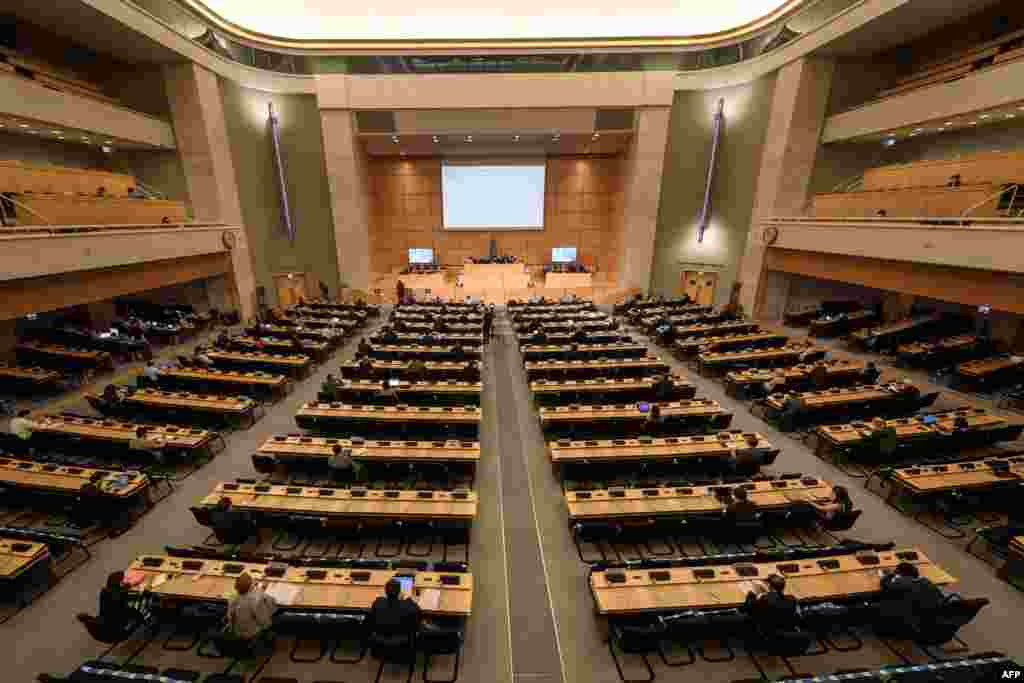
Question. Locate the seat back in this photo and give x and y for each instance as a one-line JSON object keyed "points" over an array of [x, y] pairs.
{"points": [[786, 642], [202, 515], [102, 631], [841, 521]]}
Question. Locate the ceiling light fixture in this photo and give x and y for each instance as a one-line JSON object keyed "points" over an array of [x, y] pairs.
{"points": [[984, 116], [23, 125], [597, 135], [394, 139], [469, 138], [437, 139], [515, 138]]}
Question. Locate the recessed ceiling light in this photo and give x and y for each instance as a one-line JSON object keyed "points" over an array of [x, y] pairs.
{"points": [[394, 139], [437, 139], [597, 135], [1011, 116], [948, 123], [515, 138], [107, 142], [974, 123], [34, 132], [556, 137], [984, 116], [23, 125], [55, 132]]}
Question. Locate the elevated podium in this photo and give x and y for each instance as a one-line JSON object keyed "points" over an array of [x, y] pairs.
{"points": [[568, 280], [493, 282]]}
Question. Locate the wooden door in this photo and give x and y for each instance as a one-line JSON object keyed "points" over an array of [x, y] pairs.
{"points": [[700, 286], [290, 290]]}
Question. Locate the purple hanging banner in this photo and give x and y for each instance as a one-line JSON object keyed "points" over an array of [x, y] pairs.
{"points": [[705, 212], [281, 187]]}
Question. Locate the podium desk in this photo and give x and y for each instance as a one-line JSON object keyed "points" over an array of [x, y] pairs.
{"points": [[568, 280]]}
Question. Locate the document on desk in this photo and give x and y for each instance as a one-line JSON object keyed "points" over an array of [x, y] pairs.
{"points": [[284, 593], [430, 598]]}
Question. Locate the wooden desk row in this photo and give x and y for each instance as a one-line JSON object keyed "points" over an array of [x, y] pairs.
{"points": [[683, 320], [645, 365], [932, 353], [558, 316], [319, 449], [258, 383], [739, 382], [934, 431], [838, 576], [842, 323], [465, 328], [17, 557], [702, 408], [898, 332], [402, 369], [441, 339], [184, 402], [320, 589], [990, 373], [954, 476], [721, 446], [27, 376], [692, 347], [107, 432], [341, 411], [716, 362], [294, 365], [842, 396], [315, 349], [602, 385], [700, 330], [616, 350], [340, 503], [553, 307], [61, 479], [405, 387], [386, 351], [53, 354], [626, 503], [819, 406]]}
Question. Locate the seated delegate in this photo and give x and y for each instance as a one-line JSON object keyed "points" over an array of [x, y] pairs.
{"points": [[231, 526], [393, 620], [116, 609], [250, 613], [908, 602], [770, 608]]}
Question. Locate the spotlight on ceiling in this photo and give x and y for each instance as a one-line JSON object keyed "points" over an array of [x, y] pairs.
{"points": [[436, 139], [556, 137], [889, 142], [515, 138], [394, 139], [469, 138], [597, 135]]}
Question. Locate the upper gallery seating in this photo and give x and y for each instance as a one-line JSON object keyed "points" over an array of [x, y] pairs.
{"points": [[981, 185], [20, 65], [56, 195], [1006, 48]]}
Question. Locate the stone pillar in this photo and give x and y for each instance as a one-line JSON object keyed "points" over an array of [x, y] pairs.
{"points": [[791, 145], [204, 148], [641, 194], [350, 201]]}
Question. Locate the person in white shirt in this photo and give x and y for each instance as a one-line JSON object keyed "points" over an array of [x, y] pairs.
{"points": [[22, 427], [250, 614], [151, 372]]}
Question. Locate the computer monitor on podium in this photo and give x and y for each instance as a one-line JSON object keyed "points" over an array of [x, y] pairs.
{"points": [[563, 255]]}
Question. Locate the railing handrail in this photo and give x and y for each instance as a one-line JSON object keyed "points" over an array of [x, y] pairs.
{"points": [[995, 195], [917, 221], [67, 230]]}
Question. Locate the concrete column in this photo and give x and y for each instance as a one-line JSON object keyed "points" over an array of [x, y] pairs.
{"points": [[203, 145], [791, 145], [350, 203], [641, 194]]}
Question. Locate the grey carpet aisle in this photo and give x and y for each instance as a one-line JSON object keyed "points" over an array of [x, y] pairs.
{"points": [[536, 652]]}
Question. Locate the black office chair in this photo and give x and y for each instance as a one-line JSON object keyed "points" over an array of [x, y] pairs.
{"points": [[442, 639], [842, 521], [106, 632], [947, 621]]}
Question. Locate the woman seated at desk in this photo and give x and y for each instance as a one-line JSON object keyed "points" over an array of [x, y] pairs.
{"points": [[839, 503]]}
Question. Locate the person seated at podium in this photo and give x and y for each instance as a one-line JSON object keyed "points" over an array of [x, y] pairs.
{"points": [[427, 338], [250, 613], [664, 388], [909, 600], [770, 608], [741, 509], [329, 389]]}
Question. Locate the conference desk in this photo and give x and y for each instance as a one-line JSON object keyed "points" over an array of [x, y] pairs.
{"points": [[674, 414], [431, 282], [713, 363], [798, 317], [558, 316], [639, 388], [564, 338], [397, 352], [269, 502], [27, 377], [617, 591], [18, 557], [51, 478], [260, 384], [990, 373], [582, 351], [53, 355], [398, 369], [437, 339], [843, 323], [936, 432], [440, 307], [586, 325], [301, 449], [178, 579], [423, 328], [654, 309], [338, 309], [318, 350], [940, 352], [813, 407], [729, 342], [495, 276], [309, 328], [683, 320], [70, 430], [187, 404], [900, 332], [721, 448], [402, 420], [770, 496], [449, 391], [551, 307], [564, 369], [990, 473], [294, 365], [701, 330], [744, 384], [409, 316], [568, 280]]}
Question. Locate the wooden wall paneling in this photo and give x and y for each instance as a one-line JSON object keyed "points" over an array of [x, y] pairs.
{"points": [[36, 295], [1003, 291]]}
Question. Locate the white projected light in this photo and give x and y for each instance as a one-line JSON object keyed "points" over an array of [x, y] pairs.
{"points": [[493, 197]]}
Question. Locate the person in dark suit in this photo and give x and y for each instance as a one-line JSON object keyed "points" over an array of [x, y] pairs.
{"points": [[871, 373], [231, 526], [116, 607], [741, 509], [909, 600], [664, 389], [393, 619], [364, 346], [770, 608]]}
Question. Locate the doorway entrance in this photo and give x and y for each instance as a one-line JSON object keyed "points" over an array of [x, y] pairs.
{"points": [[290, 288], [700, 286]]}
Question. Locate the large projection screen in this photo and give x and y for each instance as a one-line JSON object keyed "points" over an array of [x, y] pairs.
{"points": [[493, 195]]}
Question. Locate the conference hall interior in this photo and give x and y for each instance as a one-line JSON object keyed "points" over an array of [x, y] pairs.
{"points": [[511, 342]]}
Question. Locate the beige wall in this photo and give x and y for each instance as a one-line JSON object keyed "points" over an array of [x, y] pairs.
{"points": [[245, 113], [686, 160], [582, 209]]}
